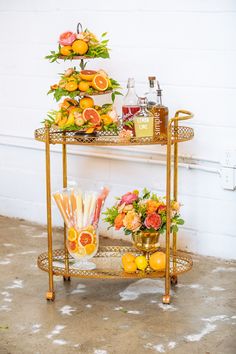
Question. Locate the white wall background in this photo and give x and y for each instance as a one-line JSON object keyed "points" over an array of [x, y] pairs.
{"points": [[188, 44]]}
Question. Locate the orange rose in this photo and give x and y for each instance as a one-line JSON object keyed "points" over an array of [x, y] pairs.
{"points": [[152, 206], [119, 221]]}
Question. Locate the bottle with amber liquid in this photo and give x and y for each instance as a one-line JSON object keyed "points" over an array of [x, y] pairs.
{"points": [[155, 106]]}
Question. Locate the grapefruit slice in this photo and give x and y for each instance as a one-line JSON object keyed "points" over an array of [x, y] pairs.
{"points": [[92, 116], [100, 82], [85, 238], [87, 75]]}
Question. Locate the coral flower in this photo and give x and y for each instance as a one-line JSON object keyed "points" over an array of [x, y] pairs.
{"points": [[153, 221], [118, 222], [152, 206], [67, 38], [162, 208], [132, 221], [129, 198]]}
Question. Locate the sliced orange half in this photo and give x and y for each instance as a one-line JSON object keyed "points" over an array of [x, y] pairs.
{"points": [[100, 82], [90, 248]]}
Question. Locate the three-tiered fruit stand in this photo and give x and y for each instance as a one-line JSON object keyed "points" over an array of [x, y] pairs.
{"points": [[108, 257]]}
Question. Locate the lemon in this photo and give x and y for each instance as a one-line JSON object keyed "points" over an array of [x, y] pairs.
{"points": [[141, 262], [72, 234]]}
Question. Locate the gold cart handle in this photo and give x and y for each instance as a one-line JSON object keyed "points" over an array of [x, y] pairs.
{"points": [[182, 114]]}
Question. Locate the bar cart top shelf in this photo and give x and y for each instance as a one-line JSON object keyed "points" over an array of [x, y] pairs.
{"points": [[56, 136]]}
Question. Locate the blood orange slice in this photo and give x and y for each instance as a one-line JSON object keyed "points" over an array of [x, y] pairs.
{"points": [[85, 238], [92, 116], [100, 82], [73, 246], [87, 75]]}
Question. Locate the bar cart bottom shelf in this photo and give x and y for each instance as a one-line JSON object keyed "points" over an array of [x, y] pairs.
{"points": [[108, 265]]}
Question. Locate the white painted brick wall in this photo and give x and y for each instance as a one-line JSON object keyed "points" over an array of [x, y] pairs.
{"points": [[188, 44]]}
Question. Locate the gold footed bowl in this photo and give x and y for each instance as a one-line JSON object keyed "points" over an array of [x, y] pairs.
{"points": [[147, 242]]}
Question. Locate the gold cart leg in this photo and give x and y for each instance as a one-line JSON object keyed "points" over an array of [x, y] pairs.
{"points": [[50, 295], [64, 167], [166, 297], [174, 278]]}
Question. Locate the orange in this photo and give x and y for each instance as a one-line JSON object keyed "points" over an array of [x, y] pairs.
{"points": [[85, 238], [87, 75], [67, 50], [71, 86], [157, 261], [86, 102], [130, 267], [100, 82], [90, 248], [106, 119], [80, 47], [72, 234], [127, 258], [83, 86]]}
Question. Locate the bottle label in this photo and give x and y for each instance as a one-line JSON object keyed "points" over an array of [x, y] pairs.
{"points": [[157, 124], [143, 126]]}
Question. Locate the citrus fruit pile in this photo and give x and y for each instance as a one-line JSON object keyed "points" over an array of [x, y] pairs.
{"points": [[84, 115], [82, 243], [131, 263], [78, 83], [84, 44]]}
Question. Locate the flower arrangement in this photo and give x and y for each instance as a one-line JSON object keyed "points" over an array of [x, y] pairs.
{"points": [[84, 43], [75, 83], [145, 211], [83, 116]]}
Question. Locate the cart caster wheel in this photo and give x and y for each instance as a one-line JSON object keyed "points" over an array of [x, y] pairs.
{"points": [[66, 278], [50, 296], [166, 299], [174, 280]]}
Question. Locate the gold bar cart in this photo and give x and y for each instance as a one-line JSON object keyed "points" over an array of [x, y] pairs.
{"points": [[176, 263]]}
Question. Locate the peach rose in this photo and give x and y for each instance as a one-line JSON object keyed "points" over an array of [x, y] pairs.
{"points": [[119, 221], [153, 221], [152, 206], [132, 221]]}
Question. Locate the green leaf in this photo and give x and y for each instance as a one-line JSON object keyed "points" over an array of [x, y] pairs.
{"points": [[104, 34], [180, 221]]}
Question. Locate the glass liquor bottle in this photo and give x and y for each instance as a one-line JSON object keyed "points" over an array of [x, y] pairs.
{"points": [[130, 106], [160, 112], [143, 120]]}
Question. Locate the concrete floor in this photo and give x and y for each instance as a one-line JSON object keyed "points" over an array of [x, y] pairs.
{"points": [[106, 317]]}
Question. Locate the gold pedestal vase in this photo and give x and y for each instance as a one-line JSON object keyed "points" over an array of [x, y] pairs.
{"points": [[147, 242]]}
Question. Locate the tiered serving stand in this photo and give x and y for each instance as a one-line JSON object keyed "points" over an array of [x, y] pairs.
{"points": [[108, 258]]}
